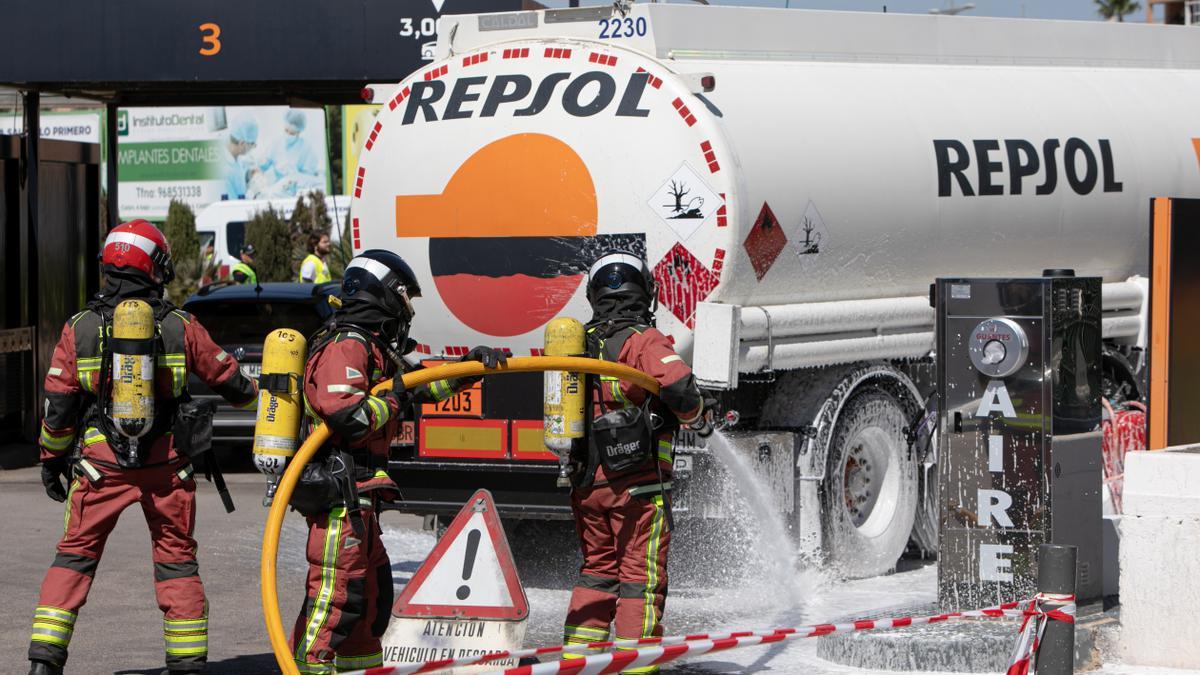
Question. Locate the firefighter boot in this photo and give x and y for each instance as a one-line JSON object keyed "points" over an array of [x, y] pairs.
{"points": [[43, 668]]}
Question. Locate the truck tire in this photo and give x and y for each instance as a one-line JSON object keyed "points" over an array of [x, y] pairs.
{"points": [[869, 496], [925, 527]]}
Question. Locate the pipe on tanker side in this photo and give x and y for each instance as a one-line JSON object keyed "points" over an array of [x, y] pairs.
{"points": [[1123, 294], [1120, 326], [809, 335], [824, 318], [790, 356]]}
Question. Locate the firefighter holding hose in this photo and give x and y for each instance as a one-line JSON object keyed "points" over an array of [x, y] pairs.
{"points": [[621, 481], [120, 429], [349, 597]]}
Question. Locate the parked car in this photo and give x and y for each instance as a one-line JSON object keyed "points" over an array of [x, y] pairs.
{"points": [[239, 317]]}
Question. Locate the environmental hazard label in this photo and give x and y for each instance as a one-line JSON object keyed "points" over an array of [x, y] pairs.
{"points": [[684, 202]]}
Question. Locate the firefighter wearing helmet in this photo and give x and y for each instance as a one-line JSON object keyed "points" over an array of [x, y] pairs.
{"points": [[116, 406], [622, 478], [349, 596]]}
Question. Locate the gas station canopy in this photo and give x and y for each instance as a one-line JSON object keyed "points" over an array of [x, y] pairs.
{"points": [[149, 52]]}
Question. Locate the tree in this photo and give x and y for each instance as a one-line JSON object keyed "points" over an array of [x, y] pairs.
{"points": [[678, 190], [180, 231], [333, 119], [341, 253], [267, 231], [1110, 9], [103, 213]]}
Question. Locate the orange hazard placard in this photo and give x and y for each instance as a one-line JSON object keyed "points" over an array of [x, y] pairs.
{"points": [[466, 403], [470, 574]]}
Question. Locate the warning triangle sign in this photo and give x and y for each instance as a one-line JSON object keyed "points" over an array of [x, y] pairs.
{"points": [[470, 574]]}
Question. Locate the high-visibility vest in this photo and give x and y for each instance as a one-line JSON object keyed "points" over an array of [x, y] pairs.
{"points": [[322, 274], [251, 276]]}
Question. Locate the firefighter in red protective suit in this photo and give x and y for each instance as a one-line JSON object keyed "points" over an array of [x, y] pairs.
{"points": [[621, 497], [80, 442], [349, 599]]}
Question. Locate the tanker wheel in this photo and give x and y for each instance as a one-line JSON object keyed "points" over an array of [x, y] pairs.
{"points": [[869, 496]]}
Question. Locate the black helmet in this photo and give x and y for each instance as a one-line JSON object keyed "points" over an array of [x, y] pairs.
{"points": [[620, 273], [382, 278]]}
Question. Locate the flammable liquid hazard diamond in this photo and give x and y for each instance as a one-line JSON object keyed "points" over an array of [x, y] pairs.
{"points": [[765, 241]]}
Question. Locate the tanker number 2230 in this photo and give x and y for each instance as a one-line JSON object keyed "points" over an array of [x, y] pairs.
{"points": [[618, 27]]}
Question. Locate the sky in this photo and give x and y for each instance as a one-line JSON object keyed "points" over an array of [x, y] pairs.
{"points": [[1084, 10]]}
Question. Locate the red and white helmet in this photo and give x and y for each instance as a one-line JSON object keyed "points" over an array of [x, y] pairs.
{"points": [[139, 245]]}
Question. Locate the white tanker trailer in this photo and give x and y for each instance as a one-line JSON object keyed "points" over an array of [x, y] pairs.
{"points": [[796, 179]]}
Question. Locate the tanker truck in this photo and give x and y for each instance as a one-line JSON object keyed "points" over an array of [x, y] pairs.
{"points": [[796, 180]]}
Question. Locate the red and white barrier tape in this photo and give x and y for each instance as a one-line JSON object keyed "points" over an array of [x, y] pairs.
{"points": [[656, 651], [1030, 634]]}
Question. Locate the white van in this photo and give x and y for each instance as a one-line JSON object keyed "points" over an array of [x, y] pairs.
{"points": [[224, 224]]}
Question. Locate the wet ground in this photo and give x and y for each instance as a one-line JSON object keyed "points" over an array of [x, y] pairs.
{"points": [[718, 583]]}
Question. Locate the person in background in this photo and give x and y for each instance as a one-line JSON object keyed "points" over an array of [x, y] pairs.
{"points": [[291, 164], [243, 271], [208, 264], [243, 136], [314, 269]]}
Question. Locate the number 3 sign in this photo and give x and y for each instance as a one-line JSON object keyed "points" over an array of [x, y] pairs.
{"points": [[210, 34]]}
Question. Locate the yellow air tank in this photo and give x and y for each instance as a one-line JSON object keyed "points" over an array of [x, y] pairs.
{"points": [[280, 404], [564, 396], [132, 399]]}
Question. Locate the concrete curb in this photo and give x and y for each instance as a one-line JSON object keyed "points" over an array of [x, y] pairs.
{"points": [[965, 646]]}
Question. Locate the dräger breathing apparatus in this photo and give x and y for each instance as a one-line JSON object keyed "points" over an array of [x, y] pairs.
{"points": [[129, 363]]}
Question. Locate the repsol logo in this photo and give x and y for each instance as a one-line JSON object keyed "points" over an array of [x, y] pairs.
{"points": [[582, 95], [272, 408], [1007, 164]]}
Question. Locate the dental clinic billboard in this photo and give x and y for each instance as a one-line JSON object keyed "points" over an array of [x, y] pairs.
{"points": [[204, 155]]}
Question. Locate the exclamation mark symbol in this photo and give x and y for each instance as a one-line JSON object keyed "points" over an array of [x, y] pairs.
{"points": [[468, 563]]}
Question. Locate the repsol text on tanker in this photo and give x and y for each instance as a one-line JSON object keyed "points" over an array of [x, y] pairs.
{"points": [[582, 95], [1007, 164]]}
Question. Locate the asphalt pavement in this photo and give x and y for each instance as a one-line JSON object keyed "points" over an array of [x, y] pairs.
{"points": [[120, 628]]}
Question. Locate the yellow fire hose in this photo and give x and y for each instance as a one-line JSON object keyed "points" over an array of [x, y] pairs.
{"points": [[270, 545]]}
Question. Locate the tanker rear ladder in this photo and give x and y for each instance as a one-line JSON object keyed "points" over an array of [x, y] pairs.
{"points": [[735, 339]]}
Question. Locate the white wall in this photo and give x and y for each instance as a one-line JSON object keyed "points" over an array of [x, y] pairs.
{"points": [[1160, 558]]}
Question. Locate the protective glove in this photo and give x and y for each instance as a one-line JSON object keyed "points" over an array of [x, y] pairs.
{"points": [[53, 471], [403, 396], [490, 357], [703, 425]]}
